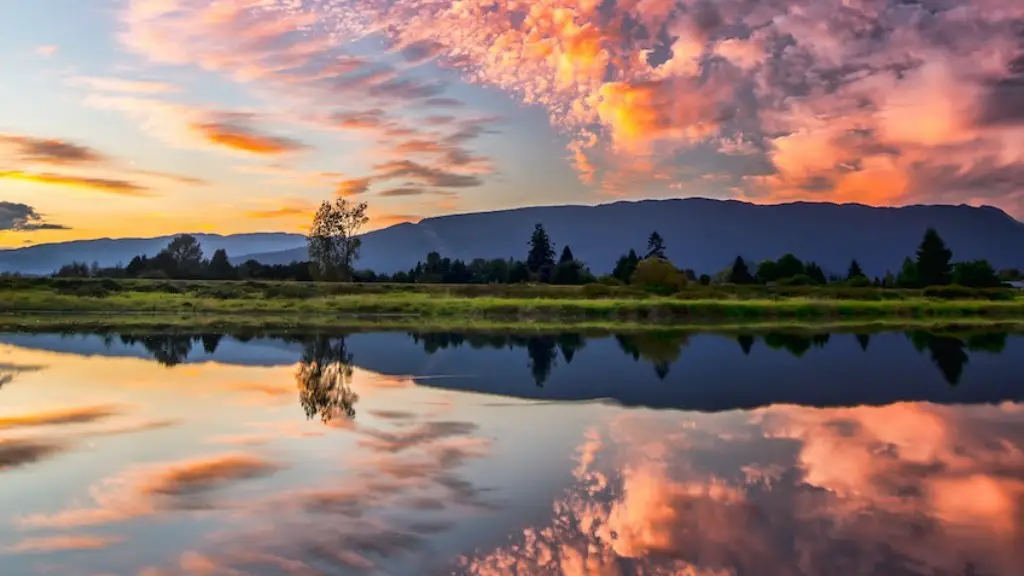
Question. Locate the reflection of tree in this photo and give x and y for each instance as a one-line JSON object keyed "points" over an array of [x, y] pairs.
{"points": [[570, 344], [796, 344], [746, 343], [543, 354], [210, 342], [994, 342], [324, 380], [660, 348], [542, 349], [169, 350], [947, 353], [864, 340]]}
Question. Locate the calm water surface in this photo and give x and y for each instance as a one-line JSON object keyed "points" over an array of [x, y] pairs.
{"points": [[408, 454]]}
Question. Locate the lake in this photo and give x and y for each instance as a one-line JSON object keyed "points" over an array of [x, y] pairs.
{"points": [[445, 453]]}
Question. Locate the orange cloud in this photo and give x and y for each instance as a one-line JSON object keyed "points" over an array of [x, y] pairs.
{"points": [[106, 185], [236, 137], [638, 114], [83, 415], [62, 544], [283, 212]]}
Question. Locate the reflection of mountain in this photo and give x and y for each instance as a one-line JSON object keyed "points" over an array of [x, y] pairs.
{"points": [[645, 369]]}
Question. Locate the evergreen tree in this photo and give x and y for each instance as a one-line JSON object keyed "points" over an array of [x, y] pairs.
{"points": [[976, 274], [220, 268], [567, 257], [854, 270], [933, 260], [625, 267], [740, 273], [908, 276], [542, 253], [655, 246], [815, 273]]}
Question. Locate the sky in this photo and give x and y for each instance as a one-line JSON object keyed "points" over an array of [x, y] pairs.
{"points": [[149, 117]]}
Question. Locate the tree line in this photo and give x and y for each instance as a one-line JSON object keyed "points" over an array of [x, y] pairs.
{"points": [[334, 247]]}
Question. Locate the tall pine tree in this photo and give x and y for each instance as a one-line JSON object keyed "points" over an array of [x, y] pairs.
{"points": [[566, 257], [934, 266], [740, 273], [542, 253], [655, 246], [854, 271]]}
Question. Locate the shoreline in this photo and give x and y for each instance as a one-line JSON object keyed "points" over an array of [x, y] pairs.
{"points": [[278, 324]]}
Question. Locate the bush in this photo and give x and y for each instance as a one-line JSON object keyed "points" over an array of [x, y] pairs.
{"points": [[954, 292], [610, 281], [798, 280], [597, 291], [659, 276], [859, 282]]}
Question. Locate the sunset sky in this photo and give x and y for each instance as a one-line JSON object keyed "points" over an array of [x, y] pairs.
{"points": [[149, 117]]}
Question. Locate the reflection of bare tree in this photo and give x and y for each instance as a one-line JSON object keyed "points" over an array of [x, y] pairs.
{"points": [[324, 380]]}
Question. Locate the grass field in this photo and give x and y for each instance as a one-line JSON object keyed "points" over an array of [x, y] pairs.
{"points": [[251, 303]]}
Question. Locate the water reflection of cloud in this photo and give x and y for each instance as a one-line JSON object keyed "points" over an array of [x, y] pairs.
{"points": [[61, 544], [900, 489], [63, 416], [400, 487], [149, 490], [19, 452]]}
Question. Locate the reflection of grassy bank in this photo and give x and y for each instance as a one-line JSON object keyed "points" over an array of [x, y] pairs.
{"points": [[289, 323]]}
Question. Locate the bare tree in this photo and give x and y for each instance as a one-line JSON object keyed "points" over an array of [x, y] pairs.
{"points": [[333, 242]]}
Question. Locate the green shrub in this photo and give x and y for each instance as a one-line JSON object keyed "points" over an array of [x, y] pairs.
{"points": [[659, 276], [597, 291], [798, 280], [953, 292]]}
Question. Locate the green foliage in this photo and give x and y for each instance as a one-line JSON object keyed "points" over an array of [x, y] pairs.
{"points": [[333, 239], [854, 271], [705, 280], [798, 280], [182, 258], [859, 282], [655, 246], [789, 266], [933, 260], [73, 270], [975, 273], [626, 266], [740, 274], [598, 290], [767, 271], [541, 257], [220, 267], [658, 275], [815, 273], [908, 276]]}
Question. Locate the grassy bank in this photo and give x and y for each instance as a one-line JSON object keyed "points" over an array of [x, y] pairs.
{"points": [[250, 325], [60, 302]]}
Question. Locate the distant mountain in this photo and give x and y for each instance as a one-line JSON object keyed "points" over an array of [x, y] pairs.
{"points": [[702, 234], [46, 258]]}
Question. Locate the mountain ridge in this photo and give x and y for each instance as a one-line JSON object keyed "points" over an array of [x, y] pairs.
{"points": [[704, 234], [711, 232]]}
